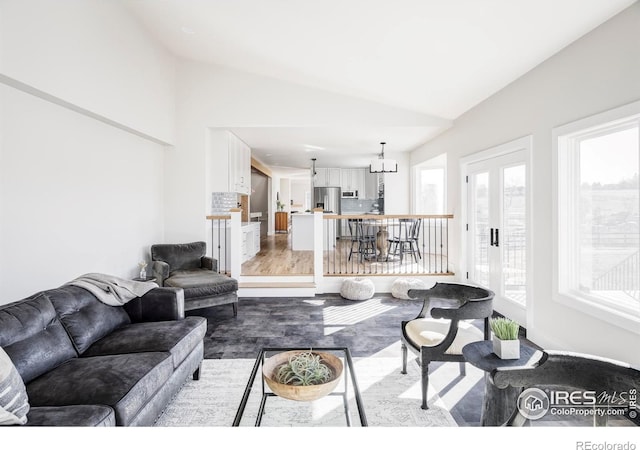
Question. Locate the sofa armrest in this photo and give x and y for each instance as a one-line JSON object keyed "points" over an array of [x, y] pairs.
{"points": [[207, 262], [160, 271], [157, 305]]}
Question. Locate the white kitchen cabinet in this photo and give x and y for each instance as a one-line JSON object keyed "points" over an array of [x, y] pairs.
{"points": [[250, 243], [327, 177], [250, 240], [352, 180], [240, 166], [256, 237], [229, 163], [370, 185]]}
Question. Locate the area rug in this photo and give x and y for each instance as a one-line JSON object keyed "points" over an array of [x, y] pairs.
{"points": [[390, 399]]}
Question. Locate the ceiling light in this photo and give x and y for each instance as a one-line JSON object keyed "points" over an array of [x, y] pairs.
{"points": [[382, 165], [309, 148], [187, 30]]}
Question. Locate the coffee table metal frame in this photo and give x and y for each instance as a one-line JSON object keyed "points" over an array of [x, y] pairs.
{"points": [[348, 372]]}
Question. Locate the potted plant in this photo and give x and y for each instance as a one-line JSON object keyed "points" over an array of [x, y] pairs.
{"points": [[506, 344], [302, 375]]}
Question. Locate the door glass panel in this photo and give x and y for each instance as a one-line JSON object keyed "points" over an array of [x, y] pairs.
{"points": [[480, 227], [512, 238]]}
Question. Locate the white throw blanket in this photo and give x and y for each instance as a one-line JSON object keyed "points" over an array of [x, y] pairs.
{"points": [[112, 290]]}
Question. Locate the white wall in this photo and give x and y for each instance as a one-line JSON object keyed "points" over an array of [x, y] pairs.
{"points": [[299, 189], [397, 186], [86, 98], [76, 196], [93, 55], [596, 73]]}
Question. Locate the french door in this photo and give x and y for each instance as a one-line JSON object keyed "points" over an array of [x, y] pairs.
{"points": [[497, 230]]}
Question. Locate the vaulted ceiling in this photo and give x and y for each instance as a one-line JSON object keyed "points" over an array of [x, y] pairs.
{"points": [[434, 57]]}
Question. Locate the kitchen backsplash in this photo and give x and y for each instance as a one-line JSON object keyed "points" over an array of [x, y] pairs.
{"points": [[356, 205]]}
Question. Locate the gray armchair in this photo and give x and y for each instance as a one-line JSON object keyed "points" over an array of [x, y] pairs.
{"points": [[615, 383], [186, 266]]}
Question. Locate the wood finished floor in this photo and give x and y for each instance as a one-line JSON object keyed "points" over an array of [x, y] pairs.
{"points": [[276, 258], [368, 328]]}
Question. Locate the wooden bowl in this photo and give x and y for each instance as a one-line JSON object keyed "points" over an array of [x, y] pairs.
{"points": [[301, 393]]}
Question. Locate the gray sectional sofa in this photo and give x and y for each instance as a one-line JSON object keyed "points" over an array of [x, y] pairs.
{"points": [[85, 363]]}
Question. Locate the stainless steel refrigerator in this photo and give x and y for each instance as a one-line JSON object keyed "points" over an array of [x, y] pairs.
{"points": [[329, 198]]}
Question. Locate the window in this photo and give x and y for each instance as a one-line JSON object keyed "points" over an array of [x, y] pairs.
{"points": [[597, 215], [430, 186]]}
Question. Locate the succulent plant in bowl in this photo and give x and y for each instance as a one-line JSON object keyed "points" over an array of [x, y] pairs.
{"points": [[304, 369], [302, 375]]}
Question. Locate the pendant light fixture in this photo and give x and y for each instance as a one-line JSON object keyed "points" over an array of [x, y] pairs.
{"points": [[313, 171], [382, 165]]}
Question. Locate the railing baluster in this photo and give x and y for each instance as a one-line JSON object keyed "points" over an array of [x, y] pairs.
{"points": [[430, 244]]}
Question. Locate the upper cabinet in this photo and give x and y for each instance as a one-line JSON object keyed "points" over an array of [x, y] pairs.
{"points": [[371, 182], [359, 179], [229, 163], [353, 180], [327, 177], [240, 168]]}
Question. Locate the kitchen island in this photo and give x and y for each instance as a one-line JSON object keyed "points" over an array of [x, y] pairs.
{"points": [[301, 231]]}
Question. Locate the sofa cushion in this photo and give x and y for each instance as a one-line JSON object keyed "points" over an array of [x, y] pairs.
{"points": [[124, 382], [33, 337], [179, 337], [72, 416], [201, 283], [14, 404], [85, 318]]}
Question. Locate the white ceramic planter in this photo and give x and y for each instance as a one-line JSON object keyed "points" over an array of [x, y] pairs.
{"points": [[506, 349]]}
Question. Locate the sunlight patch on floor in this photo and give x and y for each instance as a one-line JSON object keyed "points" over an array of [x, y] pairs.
{"points": [[449, 373], [338, 317]]}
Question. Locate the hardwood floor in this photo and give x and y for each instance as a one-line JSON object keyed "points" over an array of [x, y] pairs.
{"points": [[276, 258]]}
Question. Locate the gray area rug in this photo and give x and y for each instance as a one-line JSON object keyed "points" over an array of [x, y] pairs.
{"points": [[390, 399]]}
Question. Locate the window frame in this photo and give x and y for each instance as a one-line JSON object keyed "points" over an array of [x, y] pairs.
{"points": [[436, 163], [566, 140]]}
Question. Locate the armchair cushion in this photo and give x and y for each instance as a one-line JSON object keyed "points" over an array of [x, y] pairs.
{"points": [[201, 283], [429, 332], [180, 256]]}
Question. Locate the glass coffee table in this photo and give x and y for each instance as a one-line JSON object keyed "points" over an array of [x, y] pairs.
{"points": [[348, 384]]}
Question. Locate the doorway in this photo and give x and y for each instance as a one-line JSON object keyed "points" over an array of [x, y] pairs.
{"points": [[497, 186]]}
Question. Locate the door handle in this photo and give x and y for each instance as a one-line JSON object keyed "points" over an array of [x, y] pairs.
{"points": [[495, 238]]}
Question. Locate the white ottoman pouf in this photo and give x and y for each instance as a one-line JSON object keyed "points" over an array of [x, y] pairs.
{"points": [[357, 289], [401, 286]]}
